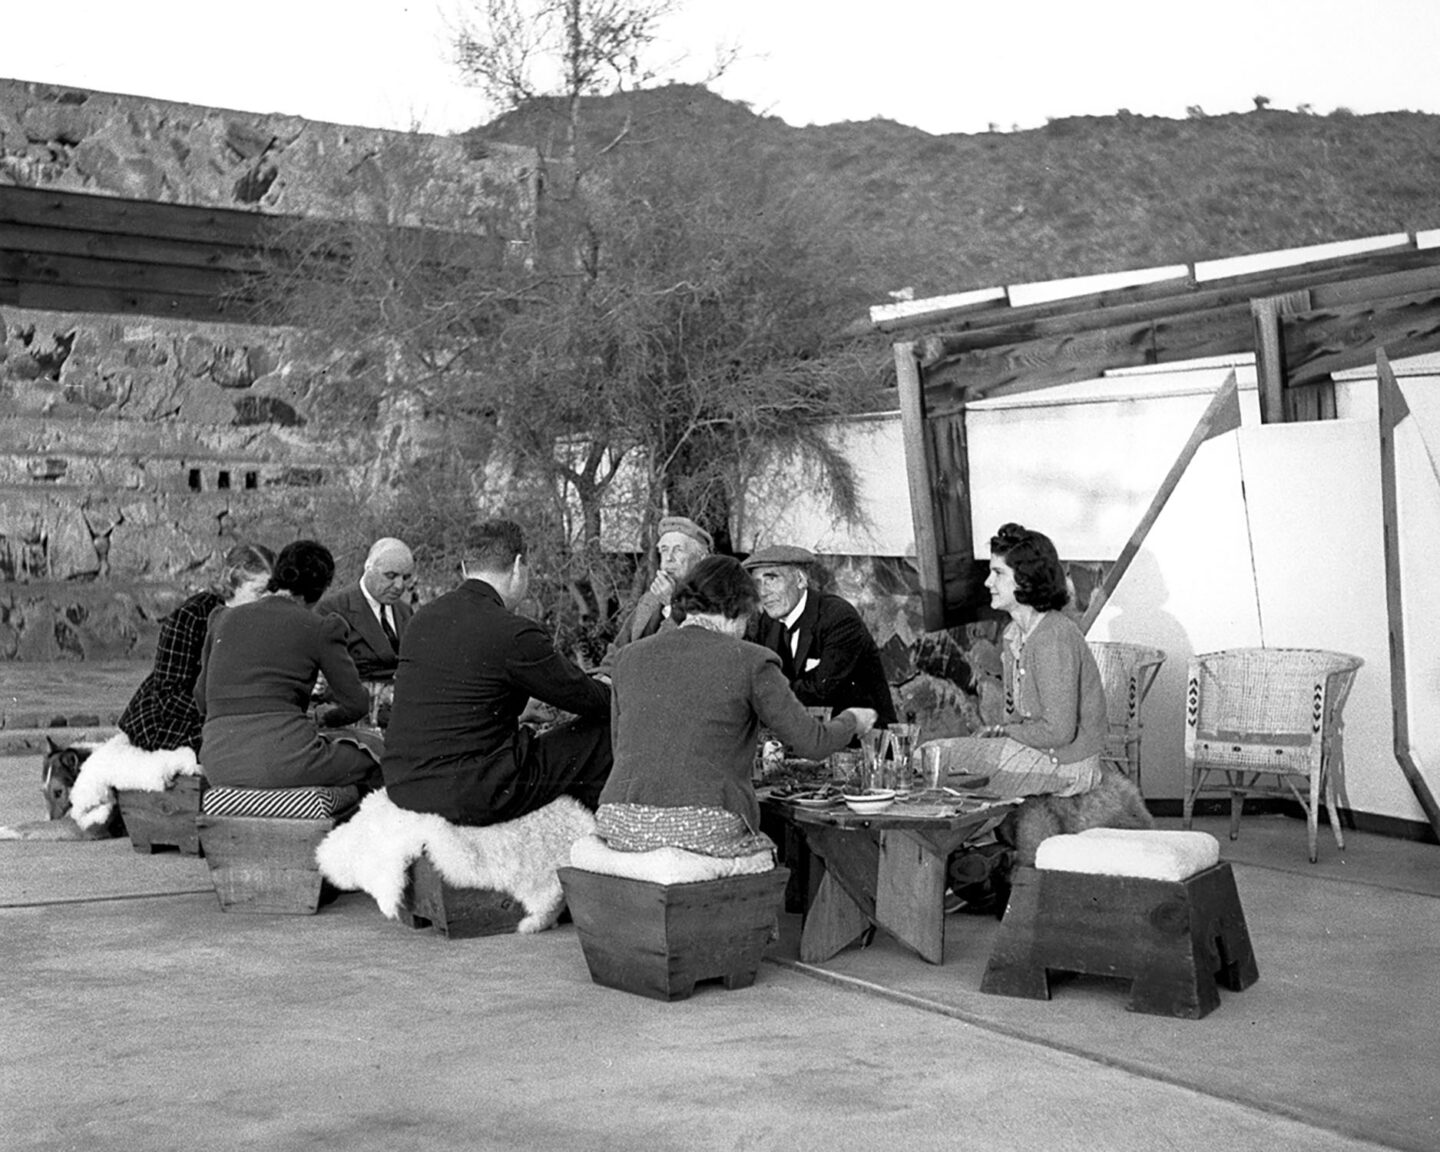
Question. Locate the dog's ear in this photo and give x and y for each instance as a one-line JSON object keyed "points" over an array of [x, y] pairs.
{"points": [[54, 747]]}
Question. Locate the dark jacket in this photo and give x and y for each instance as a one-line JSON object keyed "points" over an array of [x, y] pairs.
{"points": [[257, 673], [371, 651], [836, 663], [467, 669]]}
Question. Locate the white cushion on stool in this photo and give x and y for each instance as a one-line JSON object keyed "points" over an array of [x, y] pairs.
{"points": [[664, 865], [1147, 854]]}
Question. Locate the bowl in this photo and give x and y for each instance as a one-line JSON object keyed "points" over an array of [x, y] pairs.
{"points": [[871, 801]]}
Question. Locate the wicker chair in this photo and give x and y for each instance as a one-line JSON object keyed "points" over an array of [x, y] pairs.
{"points": [[1127, 671], [1252, 713]]}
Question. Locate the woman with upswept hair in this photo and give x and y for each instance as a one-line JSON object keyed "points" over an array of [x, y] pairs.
{"points": [[256, 677], [1046, 747], [162, 713]]}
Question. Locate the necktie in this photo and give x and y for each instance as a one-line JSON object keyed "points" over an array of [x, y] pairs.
{"points": [[389, 631]]}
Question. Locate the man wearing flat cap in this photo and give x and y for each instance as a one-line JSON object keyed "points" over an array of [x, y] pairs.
{"points": [[681, 544], [824, 646]]}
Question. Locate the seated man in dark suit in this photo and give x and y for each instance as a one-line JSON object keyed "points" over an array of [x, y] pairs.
{"points": [[468, 668], [377, 609], [825, 649]]}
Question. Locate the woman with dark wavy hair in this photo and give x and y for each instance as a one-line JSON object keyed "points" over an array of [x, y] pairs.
{"points": [[1047, 744], [162, 714], [256, 677], [686, 707]]}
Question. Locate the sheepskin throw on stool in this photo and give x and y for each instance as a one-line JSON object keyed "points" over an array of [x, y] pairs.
{"points": [[375, 848], [119, 765]]}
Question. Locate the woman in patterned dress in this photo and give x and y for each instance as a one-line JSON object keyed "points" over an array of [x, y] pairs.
{"points": [[162, 713], [686, 708]]}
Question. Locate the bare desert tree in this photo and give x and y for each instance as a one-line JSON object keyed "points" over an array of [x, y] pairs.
{"points": [[675, 321]]}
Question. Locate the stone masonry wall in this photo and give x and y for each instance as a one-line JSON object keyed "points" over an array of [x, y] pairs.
{"points": [[134, 451]]}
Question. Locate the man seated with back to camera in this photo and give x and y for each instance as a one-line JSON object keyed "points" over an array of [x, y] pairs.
{"points": [[826, 651], [469, 666]]}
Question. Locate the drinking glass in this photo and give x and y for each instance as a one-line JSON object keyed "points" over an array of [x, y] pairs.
{"points": [[903, 740], [932, 766], [845, 768], [872, 770]]}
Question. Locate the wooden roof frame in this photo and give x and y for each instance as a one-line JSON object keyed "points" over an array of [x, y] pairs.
{"points": [[77, 252], [1303, 323]]}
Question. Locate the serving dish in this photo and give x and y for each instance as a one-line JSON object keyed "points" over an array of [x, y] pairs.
{"points": [[871, 801]]}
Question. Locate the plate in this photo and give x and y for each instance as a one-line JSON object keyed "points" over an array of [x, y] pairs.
{"points": [[816, 801]]}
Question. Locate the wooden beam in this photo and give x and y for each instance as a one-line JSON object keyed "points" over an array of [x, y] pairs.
{"points": [[1324, 341], [125, 275], [126, 302], [1269, 353], [1169, 296], [135, 249], [918, 469], [1034, 364], [1221, 415], [109, 214], [1014, 328], [1392, 410]]}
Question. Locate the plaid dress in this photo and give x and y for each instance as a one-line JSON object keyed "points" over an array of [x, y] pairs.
{"points": [[162, 713]]}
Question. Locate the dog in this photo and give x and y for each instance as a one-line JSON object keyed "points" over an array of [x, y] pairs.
{"points": [[59, 769], [1115, 802], [981, 876]]}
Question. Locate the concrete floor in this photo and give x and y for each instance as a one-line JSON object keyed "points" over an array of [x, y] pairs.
{"points": [[134, 1013]]}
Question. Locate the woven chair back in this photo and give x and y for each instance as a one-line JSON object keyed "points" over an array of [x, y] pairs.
{"points": [[1269, 709]]}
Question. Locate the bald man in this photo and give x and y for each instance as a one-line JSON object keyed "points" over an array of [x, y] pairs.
{"points": [[377, 609]]}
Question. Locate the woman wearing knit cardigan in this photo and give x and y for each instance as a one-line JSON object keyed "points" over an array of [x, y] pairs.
{"points": [[1047, 746]]}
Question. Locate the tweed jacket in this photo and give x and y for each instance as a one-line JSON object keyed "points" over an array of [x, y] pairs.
{"points": [[686, 708], [1054, 700], [836, 663], [162, 713], [371, 651], [647, 618], [468, 667]]}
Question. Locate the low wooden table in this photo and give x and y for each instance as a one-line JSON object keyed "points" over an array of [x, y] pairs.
{"points": [[883, 871]]}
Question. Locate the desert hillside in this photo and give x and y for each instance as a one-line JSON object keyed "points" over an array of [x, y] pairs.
{"points": [[1078, 196]]}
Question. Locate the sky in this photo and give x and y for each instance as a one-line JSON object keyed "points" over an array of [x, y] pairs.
{"points": [[943, 66]]}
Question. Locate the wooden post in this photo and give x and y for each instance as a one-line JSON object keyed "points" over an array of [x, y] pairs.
{"points": [[1221, 415], [1270, 351], [1392, 410], [918, 470]]}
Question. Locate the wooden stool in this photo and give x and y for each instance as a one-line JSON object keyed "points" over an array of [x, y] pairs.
{"points": [[260, 864], [260, 844], [659, 940], [431, 901], [1172, 939], [163, 819]]}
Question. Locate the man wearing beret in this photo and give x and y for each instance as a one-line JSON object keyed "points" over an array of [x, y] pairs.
{"points": [[681, 544], [824, 646]]}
